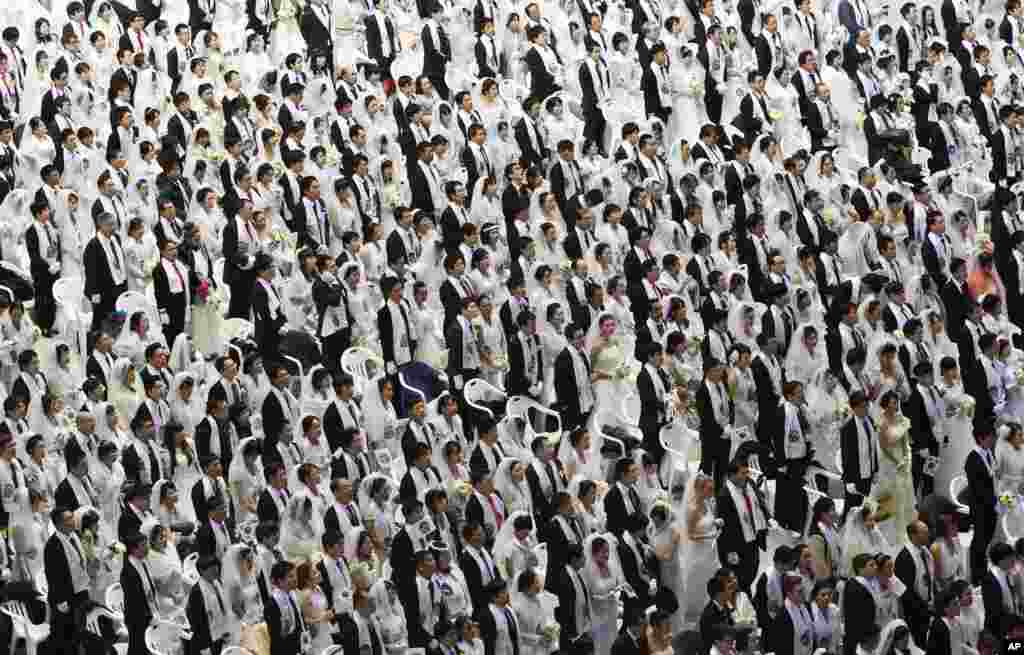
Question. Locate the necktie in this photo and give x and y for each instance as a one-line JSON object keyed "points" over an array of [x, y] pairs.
{"points": [[352, 519], [498, 519], [926, 574], [177, 271], [750, 506], [220, 598], [150, 589], [142, 43], [117, 258]]}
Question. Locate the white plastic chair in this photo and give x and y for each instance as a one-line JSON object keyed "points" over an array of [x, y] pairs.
{"points": [[353, 362], [956, 485], [164, 638], [114, 598], [682, 457], [130, 302], [330, 650], [188, 569], [23, 627], [520, 406], [476, 391], [238, 650]]}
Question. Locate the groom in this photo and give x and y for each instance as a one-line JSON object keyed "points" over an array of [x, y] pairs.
{"points": [[858, 443], [745, 527], [981, 497]]}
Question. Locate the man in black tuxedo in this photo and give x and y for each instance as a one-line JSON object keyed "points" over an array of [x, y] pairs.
{"points": [[622, 500], [267, 308], [207, 609], [632, 551], [745, 522], [925, 410], [560, 534], [140, 594], [981, 498], [716, 619], [316, 28], [574, 603], [997, 593], [859, 603], [67, 579], [574, 391], [437, 50], [858, 442], [281, 611], [105, 269], [916, 570], [716, 413]]}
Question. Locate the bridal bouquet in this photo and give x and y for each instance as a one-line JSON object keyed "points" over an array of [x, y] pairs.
{"points": [[696, 88], [858, 120], [1020, 376], [966, 407], [842, 412], [776, 115], [828, 215], [551, 632], [626, 373], [1008, 502], [459, 488]]}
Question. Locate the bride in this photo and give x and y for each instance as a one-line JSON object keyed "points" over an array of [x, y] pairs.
{"points": [[243, 596], [607, 356], [604, 578], [698, 551], [861, 535], [894, 491], [959, 416]]}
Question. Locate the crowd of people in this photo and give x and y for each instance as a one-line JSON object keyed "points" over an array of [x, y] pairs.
{"points": [[464, 327]]}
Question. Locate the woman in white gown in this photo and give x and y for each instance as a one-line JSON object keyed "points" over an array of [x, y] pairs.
{"points": [[608, 356], [895, 488], [513, 547], [687, 81], [861, 535], [604, 579], [699, 555], [37, 150], [390, 614], [1009, 474], [298, 532], [238, 578], [534, 612], [247, 479], [30, 539], [165, 567]]}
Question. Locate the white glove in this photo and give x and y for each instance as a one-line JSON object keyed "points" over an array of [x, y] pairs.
{"points": [[719, 523], [922, 452], [165, 318], [95, 299], [773, 524], [458, 382], [535, 389], [54, 268], [62, 607], [392, 369], [851, 488]]}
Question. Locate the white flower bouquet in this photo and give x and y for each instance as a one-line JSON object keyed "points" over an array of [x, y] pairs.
{"points": [[966, 407], [696, 88]]}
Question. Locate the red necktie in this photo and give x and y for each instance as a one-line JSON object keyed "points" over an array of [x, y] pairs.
{"points": [[181, 280], [142, 44], [248, 228]]}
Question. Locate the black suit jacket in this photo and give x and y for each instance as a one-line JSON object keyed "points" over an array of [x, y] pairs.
{"points": [[282, 644], [997, 617], [915, 608], [859, 610], [136, 607], [712, 617]]}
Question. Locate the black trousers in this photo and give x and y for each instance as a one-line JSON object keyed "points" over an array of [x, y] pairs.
{"points": [[101, 311], [175, 318], [45, 307], [984, 516], [62, 624], [334, 346], [714, 460], [924, 485], [850, 501], [791, 497], [240, 305], [713, 101], [746, 566], [593, 129], [437, 79]]}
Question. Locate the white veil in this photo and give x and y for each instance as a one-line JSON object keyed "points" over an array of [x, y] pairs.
{"points": [[801, 364], [889, 631], [505, 541], [614, 567], [238, 471], [510, 490], [736, 328]]}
